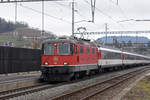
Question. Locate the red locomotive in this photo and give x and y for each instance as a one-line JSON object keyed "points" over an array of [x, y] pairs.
{"points": [[68, 58]]}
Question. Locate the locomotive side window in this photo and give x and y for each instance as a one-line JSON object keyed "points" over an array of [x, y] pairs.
{"points": [[81, 49], [64, 49], [71, 49], [49, 49], [87, 49], [93, 50], [75, 49]]}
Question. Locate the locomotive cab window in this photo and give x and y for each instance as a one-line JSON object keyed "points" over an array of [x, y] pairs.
{"points": [[48, 49], [65, 49]]}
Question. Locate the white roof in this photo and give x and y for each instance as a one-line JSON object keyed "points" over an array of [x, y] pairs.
{"points": [[111, 50], [119, 51]]}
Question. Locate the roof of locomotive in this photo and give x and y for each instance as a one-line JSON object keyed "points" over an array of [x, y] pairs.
{"points": [[69, 40]]}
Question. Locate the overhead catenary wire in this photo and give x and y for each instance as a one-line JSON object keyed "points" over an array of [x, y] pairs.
{"points": [[100, 11], [123, 13], [69, 7], [58, 3], [105, 14], [121, 10], [61, 19], [77, 10], [37, 11], [81, 15]]}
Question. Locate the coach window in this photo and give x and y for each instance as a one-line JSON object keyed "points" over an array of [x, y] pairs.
{"points": [[87, 49], [81, 49], [93, 50], [49, 49]]}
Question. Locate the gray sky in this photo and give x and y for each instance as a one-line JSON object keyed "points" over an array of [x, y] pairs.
{"points": [[59, 15]]}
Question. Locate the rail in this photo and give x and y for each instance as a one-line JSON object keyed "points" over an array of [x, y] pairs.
{"points": [[88, 92]]}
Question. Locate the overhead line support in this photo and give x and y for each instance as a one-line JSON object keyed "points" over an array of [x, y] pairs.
{"points": [[15, 12], [93, 3], [117, 2], [73, 18], [42, 17]]}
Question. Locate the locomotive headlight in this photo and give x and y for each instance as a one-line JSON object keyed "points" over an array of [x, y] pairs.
{"points": [[65, 63], [46, 63]]}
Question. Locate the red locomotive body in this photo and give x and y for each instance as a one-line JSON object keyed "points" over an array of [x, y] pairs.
{"points": [[64, 59]]}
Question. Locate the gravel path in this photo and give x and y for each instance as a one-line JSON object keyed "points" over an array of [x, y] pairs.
{"points": [[16, 77]]}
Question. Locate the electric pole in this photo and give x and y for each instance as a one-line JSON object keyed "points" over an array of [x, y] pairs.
{"points": [[93, 3], [42, 18], [15, 32], [73, 18], [106, 29], [16, 12], [117, 2]]}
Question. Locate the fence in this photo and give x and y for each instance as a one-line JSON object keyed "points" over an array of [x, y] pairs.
{"points": [[13, 60]]}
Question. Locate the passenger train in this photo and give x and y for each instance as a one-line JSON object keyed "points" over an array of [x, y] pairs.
{"points": [[69, 58]]}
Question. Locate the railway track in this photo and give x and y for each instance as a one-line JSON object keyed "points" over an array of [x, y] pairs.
{"points": [[88, 92], [22, 91], [35, 88], [81, 94], [31, 89]]}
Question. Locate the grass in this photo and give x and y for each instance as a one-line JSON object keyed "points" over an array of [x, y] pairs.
{"points": [[6, 38], [141, 91], [14, 40]]}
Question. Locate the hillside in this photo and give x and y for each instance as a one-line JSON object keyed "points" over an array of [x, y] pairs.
{"points": [[7, 26], [19, 34], [24, 37], [134, 44]]}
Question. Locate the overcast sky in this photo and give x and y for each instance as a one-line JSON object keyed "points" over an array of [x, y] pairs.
{"points": [[58, 15]]}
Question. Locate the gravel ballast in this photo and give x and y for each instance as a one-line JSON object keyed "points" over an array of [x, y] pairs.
{"points": [[49, 93]]}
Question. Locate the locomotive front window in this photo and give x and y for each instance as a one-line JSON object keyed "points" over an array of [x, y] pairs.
{"points": [[65, 49], [49, 49]]}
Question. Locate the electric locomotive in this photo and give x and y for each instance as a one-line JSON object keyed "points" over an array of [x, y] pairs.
{"points": [[66, 58]]}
